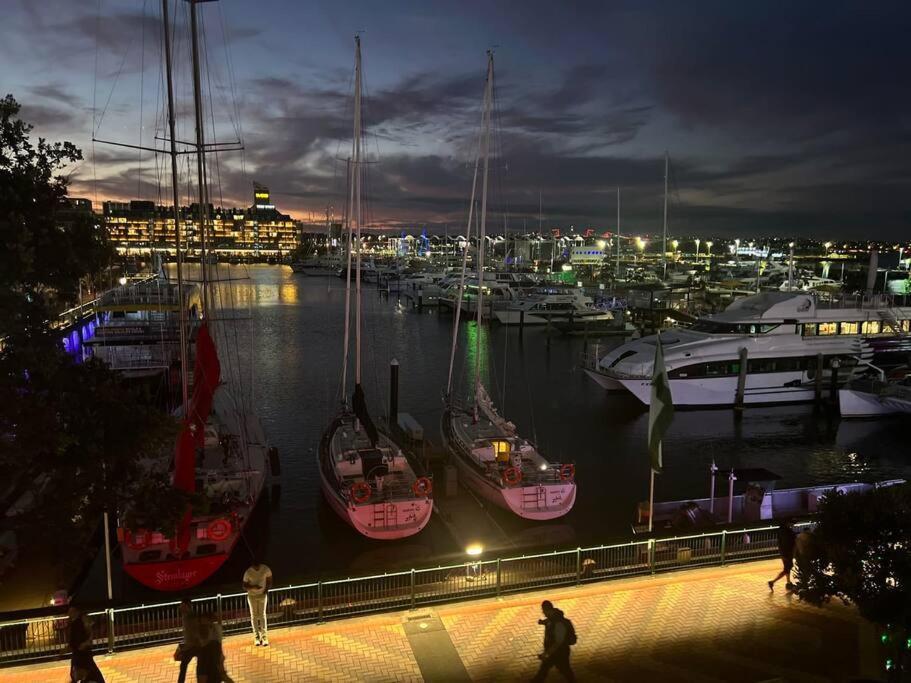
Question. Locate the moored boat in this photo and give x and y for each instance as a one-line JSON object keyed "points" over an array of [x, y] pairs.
{"points": [[366, 478], [493, 460]]}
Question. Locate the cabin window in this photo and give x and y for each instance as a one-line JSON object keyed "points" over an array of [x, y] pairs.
{"points": [[625, 354], [848, 328], [501, 448], [870, 327], [809, 330], [828, 328], [906, 325]]}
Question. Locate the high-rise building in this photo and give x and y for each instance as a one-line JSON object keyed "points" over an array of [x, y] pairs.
{"points": [[141, 226]]}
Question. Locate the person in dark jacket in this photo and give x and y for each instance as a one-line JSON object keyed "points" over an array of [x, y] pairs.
{"points": [[82, 665], [557, 641], [786, 541], [189, 648]]}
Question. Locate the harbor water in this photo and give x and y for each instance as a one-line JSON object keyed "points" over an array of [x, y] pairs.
{"points": [[288, 338]]}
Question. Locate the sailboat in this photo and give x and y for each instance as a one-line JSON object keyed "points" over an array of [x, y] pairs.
{"points": [[365, 476], [221, 452], [493, 460]]}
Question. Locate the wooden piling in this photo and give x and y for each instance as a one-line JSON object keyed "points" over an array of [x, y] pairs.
{"points": [[818, 379], [741, 381]]}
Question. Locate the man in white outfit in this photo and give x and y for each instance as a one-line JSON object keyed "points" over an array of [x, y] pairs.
{"points": [[257, 582]]}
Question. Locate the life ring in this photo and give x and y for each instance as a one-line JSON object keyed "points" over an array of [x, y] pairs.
{"points": [[422, 486], [218, 529], [567, 471], [360, 492], [512, 475], [137, 540]]}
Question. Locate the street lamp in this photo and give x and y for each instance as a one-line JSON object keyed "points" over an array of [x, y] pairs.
{"points": [[708, 248], [697, 247], [473, 566]]}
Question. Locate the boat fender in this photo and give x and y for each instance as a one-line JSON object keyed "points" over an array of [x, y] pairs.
{"points": [[422, 487], [218, 529], [360, 492], [275, 465], [567, 471], [512, 475]]}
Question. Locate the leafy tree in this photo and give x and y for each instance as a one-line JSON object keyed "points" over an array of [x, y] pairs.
{"points": [[75, 429], [860, 552]]}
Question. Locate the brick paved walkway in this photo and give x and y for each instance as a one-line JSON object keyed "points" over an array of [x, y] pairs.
{"points": [[719, 624]]}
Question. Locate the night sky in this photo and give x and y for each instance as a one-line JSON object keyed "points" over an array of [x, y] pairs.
{"points": [[780, 118]]}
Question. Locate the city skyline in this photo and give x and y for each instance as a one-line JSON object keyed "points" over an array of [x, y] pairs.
{"points": [[589, 99]]}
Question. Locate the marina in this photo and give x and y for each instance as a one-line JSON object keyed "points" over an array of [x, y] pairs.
{"points": [[602, 433], [432, 320]]}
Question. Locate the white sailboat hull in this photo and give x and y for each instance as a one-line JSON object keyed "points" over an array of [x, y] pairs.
{"points": [[387, 521], [538, 501]]}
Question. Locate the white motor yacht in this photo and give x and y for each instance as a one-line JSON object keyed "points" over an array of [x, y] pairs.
{"points": [[787, 339]]}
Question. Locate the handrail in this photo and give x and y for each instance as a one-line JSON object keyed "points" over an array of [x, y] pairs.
{"points": [[38, 635]]}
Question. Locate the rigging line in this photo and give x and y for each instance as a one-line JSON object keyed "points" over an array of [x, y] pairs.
{"points": [[229, 64], [142, 55], [113, 87], [94, 104]]}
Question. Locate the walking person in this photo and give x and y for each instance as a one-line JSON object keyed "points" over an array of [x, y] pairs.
{"points": [[210, 667], [786, 543], [82, 665], [191, 644], [257, 582], [559, 636]]}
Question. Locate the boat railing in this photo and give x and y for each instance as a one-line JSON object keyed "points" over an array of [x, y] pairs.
{"points": [[41, 634]]}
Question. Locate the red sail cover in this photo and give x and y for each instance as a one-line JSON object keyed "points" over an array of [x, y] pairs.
{"points": [[206, 376]]}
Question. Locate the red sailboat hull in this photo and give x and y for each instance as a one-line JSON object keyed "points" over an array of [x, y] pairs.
{"points": [[175, 575]]}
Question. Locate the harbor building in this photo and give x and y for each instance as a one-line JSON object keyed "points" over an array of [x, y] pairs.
{"points": [[260, 230]]}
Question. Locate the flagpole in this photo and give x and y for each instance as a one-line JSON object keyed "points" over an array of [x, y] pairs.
{"points": [[651, 493]]}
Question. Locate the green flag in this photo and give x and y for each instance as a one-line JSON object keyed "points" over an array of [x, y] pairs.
{"points": [[660, 409]]}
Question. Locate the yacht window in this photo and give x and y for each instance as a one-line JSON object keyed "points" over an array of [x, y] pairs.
{"points": [[625, 354], [809, 330], [906, 325], [828, 328], [870, 327], [688, 371], [848, 328]]}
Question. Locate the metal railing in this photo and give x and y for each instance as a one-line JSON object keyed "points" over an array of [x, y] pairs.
{"points": [[44, 637]]}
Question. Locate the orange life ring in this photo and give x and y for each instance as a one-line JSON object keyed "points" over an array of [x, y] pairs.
{"points": [[567, 471], [218, 529], [360, 492], [512, 475], [422, 486], [137, 540]]}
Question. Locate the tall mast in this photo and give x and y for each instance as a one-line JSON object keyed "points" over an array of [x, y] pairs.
{"points": [[356, 187], [618, 233], [482, 233], [348, 243], [664, 230], [200, 154], [181, 317]]}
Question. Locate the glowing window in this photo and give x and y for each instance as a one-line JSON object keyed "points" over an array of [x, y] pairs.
{"points": [[848, 328], [870, 327], [828, 328]]}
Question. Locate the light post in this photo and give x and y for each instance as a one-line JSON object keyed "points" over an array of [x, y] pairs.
{"points": [[473, 565], [697, 248]]}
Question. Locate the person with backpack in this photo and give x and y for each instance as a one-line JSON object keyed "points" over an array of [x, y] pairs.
{"points": [[559, 637]]}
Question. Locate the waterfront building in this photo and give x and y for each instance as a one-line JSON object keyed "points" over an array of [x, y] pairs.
{"points": [[138, 227]]}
